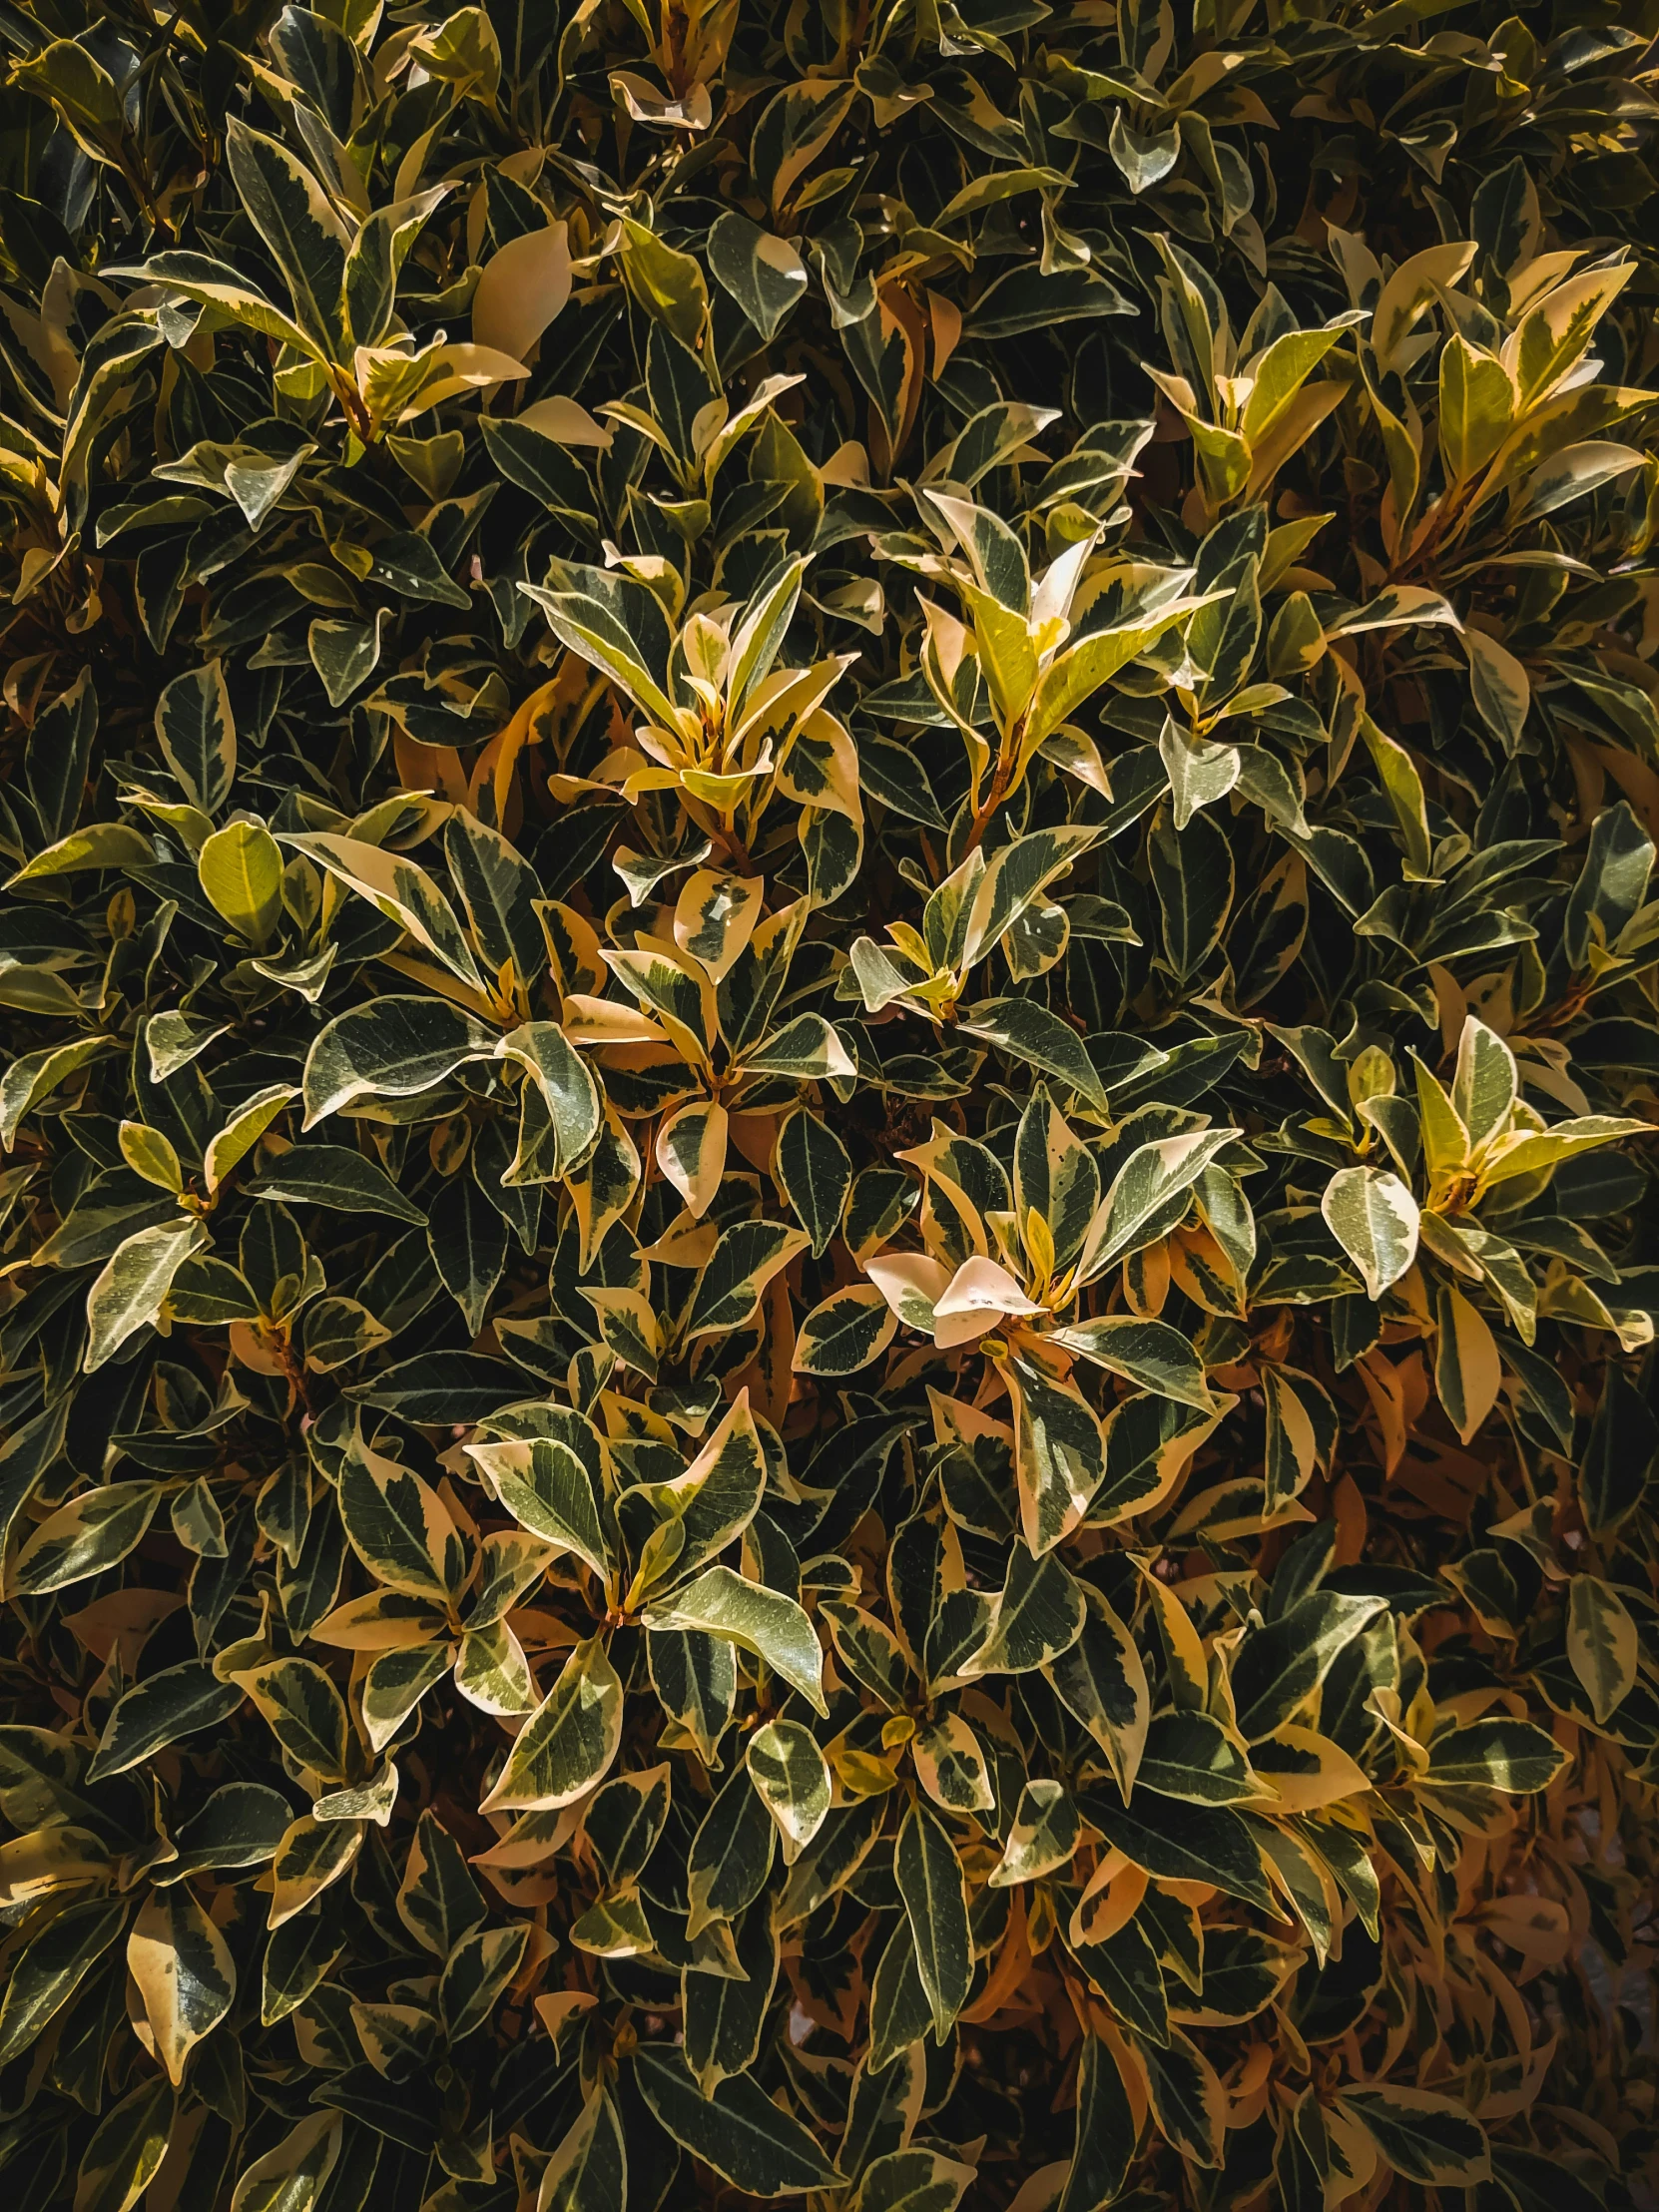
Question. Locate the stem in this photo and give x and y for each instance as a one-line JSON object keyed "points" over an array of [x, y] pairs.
{"points": [[1002, 777], [356, 413]]}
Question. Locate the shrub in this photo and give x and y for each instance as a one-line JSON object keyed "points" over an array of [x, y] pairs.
{"points": [[827, 1288]]}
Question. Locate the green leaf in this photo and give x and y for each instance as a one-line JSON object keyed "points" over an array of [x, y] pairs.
{"points": [[408, 564], [668, 284], [1101, 1680], [1277, 1666], [725, 2014], [308, 240], [173, 1702], [949, 1762], [197, 735], [934, 1894], [846, 1333], [1075, 675], [184, 1972], [1140, 1204], [404, 893], [51, 1967], [900, 2012], [438, 1902], [1193, 873], [1514, 1756], [1618, 1456], [913, 2180], [241, 867], [729, 1282], [395, 1683], [1477, 405], [731, 1854], [302, 1708], [58, 756], [1425, 2138], [290, 2177], [1188, 2100], [1500, 688], [1059, 1454], [1602, 1647], [1292, 1444], [151, 1154], [566, 1088], [100, 845], [1402, 787], [393, 1048], [373, 260], [788, 1770], [243, 1132], [37, 1074], [216, 284], [126, 2150], [1531, 1152], [807, 1049], [344, 655], [1106, 2133], [765, 1623], [1176, 1841], [467, 1239], [545, 1485], [1191, 1755], [475, 1976], [696, 1678], [1003, 184], [737, 2130], [881, 2109], [717, 1496], [1374, 1217], [1223, 636], [588, 2171], [1124, 1963], [134, 1286], [1029, 1032], [1039, 1614], [83, 92], [498, 889], [869, 1649], [1149, 1352], [1045, 1836], [568, 1743], [1200, 774], [1014, 879], [93, 1531], [763, 274], [399, 1527], [242, 1824], [337, 1177], [613, 624]]}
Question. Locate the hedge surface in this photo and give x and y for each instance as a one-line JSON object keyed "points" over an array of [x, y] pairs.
{"points": [[828, 1269]]}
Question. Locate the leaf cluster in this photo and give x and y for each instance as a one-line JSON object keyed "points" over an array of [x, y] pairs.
{"points": [[826, 1256]]}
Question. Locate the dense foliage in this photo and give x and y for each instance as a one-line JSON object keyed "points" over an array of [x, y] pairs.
{"points": [[827, 1278]]}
